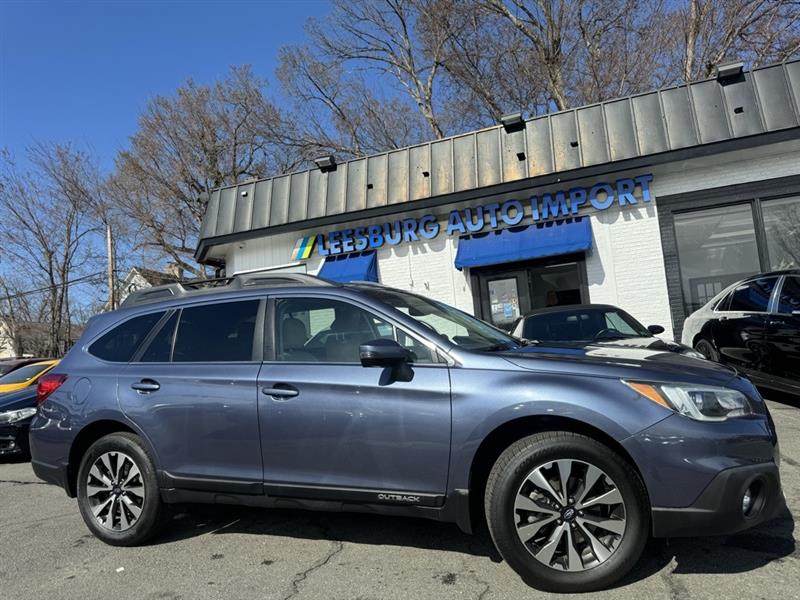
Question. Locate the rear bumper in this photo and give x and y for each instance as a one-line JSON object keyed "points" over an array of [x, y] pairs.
{"points": [[718, 509]]}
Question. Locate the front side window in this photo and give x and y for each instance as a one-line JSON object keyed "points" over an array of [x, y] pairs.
{"points": [[789, 301], [716, 248], [326, 330], [119, 344], [753, 296], [447, 322], [221, 332]]}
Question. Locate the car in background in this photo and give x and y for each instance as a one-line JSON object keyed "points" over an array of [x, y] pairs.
{"points": [[753, 326], [25, 376], [585, 325], [17, 410], [10, 364]]}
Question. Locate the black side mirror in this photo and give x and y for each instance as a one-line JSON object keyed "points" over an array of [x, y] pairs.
{"points": [[655, 329], [390, 355], [383, 353]]}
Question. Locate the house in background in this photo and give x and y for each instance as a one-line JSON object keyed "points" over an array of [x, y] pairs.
{"points": [[139, 278], [32, 338]]}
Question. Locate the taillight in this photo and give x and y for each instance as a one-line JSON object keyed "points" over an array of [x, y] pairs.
{"points": [[48, 384]]}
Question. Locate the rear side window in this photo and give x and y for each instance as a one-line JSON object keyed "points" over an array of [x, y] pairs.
{"points": [[753, 296], [790, 296], [119, 344], [160, 347], [221, 332]]}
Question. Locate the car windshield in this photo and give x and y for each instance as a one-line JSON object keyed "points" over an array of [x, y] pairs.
{"points": [[586, 324], [447, 322], [23, 374]]}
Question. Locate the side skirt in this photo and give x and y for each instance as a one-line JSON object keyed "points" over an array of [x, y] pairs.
{"points": [[454, 508]]}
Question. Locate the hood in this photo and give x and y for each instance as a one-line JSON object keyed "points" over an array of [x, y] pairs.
{"points": [[19, 399], [623, 361], [649, 342]]}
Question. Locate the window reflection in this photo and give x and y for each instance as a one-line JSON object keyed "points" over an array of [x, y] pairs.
{"points": [[782, 224], [716, 247]]}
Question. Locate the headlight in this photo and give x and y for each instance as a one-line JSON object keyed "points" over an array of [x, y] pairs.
{"points": [[699, 402], [13, 416]]}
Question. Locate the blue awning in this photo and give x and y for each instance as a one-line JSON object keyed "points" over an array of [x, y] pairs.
{"points": [[524, 243], [350, 267]]}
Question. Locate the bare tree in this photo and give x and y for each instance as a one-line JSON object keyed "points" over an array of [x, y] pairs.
{"points": [[201, 138], [45, 234], [715, 31], [382, 37]]}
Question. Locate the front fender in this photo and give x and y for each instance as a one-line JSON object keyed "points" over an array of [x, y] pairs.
{"points": [[485, 400]]}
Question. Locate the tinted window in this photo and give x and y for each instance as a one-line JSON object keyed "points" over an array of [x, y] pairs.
{"points": [[753, 296], [23, 374], [782, 225], [323, 330], [790, 296], [160, 346], [119, 344], [216, 332]]}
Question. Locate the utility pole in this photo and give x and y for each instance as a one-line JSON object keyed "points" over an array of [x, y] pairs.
{"points": [[112, 269]]}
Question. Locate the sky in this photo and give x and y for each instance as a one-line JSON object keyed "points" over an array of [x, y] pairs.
{"points": [[81, 72]]}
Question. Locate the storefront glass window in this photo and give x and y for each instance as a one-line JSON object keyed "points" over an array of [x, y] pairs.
{"points": [[782, 224], [716, 247]]}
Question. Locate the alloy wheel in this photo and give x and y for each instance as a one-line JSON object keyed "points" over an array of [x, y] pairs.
{"points": [[115, 491], [569, 515]]}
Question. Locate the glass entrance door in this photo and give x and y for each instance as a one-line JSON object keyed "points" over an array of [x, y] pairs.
{"points": [[507, 292]]}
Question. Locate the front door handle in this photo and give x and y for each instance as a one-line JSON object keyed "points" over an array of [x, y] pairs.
{"points": [[280, 390], [146, 385]]}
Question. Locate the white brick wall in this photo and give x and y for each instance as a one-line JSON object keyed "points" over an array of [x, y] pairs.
{"points": [[625, 266]]}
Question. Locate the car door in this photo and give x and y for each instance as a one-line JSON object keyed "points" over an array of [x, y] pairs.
{"points": [[739, 328], [331, 428], [783, 337], [192, 391]]}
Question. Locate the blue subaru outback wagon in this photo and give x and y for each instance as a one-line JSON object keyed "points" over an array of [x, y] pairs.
{"points": [[289, 390]]}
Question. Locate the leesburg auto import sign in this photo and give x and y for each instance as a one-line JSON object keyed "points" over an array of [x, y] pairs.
{"points": [[558, 205]]}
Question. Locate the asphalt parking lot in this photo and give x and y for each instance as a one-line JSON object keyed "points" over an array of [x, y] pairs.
{"points": [[227, 552]]}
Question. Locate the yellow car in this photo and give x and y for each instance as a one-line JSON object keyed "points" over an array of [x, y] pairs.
{"points": [[25, 376]]}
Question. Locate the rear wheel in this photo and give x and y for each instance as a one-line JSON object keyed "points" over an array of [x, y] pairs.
{"points": [[705, 348], [566, 512], [118, 493]]}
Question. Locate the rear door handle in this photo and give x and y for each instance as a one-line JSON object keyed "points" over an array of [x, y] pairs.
{"points": [[146, 385], [280, 390]]}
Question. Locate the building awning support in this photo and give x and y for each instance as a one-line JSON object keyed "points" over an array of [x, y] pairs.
{"points": [[524, 243]]}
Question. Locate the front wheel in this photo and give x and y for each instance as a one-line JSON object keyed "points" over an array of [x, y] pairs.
{"points": [[566, 512], [118, 493]]}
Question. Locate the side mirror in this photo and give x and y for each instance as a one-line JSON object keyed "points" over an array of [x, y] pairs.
{"points": [[383, 353], [655, 329]]}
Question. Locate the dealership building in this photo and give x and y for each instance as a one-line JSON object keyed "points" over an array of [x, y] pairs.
{"points": [[653, 202]]}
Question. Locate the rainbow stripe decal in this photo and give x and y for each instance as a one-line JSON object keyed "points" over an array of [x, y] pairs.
{"points": [[303, 247]]}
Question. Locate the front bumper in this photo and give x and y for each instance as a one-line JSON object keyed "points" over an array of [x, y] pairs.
{"points": [[718, 509], [14, 438]]}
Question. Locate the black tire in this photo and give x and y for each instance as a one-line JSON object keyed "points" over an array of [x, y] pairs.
{"points": [[505, 480], [704, 347], [151, 517]]}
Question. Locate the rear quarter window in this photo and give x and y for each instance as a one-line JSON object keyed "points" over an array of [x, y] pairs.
{"points": [[119, 344]]}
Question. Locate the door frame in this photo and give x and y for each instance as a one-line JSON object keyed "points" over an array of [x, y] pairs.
{"points": [[478, 277]]}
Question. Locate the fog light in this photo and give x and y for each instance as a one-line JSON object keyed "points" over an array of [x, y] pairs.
{"points": [[747, 502]]}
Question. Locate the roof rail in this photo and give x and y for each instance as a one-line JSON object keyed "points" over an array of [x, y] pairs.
{"points": [[235, 282]]}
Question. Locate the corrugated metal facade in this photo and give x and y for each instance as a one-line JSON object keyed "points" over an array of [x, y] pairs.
{"points": [[764, 100]]}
